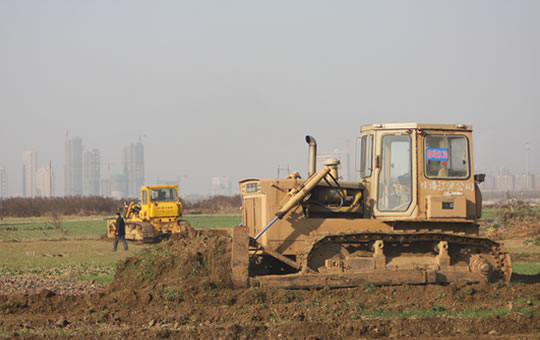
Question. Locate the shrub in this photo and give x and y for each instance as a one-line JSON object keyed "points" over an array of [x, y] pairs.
{"points": [[517, 218]]}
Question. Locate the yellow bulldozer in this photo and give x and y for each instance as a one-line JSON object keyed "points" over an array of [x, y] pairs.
{"points": [[411, 218], [158, 215]]}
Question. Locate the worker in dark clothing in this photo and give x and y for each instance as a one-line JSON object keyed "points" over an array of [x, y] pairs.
{"points": [[120, 232]]}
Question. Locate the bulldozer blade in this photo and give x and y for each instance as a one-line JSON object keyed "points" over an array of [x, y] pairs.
{"points": [[276, 255]]}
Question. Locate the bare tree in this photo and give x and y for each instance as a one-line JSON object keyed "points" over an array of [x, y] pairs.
{"points": [[57, 221]]}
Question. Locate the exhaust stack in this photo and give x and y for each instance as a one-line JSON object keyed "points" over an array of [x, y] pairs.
{"points": [[312, 160]]}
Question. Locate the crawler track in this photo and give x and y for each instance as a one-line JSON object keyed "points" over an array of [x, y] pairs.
{"points": [[396, 264]]}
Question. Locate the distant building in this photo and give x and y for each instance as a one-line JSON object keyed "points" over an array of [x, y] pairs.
{"points": [[105, 187], [505, 183], [105, 182], [91, 173], [3, 183], [489, 182], [501, 172], [221, 186], [45, 182], [29, 173], [73, 167], [119, 186], [134, 168], [524, 182], [505, 180]]}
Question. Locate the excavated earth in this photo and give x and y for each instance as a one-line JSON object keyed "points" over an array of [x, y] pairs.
{"points": [[181, 289]]}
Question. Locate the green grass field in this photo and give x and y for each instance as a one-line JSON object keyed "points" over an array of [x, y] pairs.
{"points": [[526, 268], [92, 227], [67, 259], [488, 214], [42, 228], [214, 221], [73, 251]]}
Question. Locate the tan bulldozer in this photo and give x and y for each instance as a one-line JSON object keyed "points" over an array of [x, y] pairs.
{"points": [[411, 218]]}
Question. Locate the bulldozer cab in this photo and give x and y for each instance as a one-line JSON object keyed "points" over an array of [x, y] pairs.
{"points": [[160, 201], [418, 171]]}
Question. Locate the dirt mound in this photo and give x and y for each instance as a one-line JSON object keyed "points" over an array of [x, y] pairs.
{"points": [[189, 264]]}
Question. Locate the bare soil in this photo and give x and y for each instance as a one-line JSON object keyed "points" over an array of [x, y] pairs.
{"points": [[182, 289]]}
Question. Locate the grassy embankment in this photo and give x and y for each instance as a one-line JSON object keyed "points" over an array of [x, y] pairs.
{"points": [[87, 228]]}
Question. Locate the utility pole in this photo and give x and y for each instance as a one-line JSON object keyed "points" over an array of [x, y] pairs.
{"points": [[527, 165], [50, 179]]}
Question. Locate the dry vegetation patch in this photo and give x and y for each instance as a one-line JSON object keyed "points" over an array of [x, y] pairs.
{"points": [[516, 219]]}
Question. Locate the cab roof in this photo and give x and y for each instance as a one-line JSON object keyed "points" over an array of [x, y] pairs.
{"points": [[159, 186], [416, 126]]}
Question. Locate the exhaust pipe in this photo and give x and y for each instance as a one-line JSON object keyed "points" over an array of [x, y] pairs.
{"points": [[312, 160]]}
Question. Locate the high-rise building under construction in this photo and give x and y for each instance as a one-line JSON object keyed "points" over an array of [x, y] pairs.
{"points": [[73, 167], [45, 181], [134, 168], [3, 183], [91, 173], [29, 173]]}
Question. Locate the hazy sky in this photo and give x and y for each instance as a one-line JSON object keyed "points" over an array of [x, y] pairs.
{"points": [[230, 88]]}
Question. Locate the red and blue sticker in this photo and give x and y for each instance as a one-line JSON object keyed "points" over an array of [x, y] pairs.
{"points": [[436, 154]]}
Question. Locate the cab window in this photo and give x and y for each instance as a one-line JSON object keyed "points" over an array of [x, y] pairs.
{"points": [[366, 159], [163, 195], [144, 199], [446, 156], [395, 180]]}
